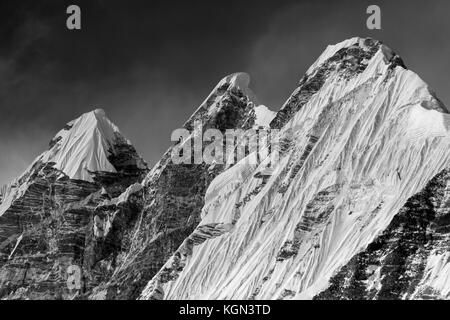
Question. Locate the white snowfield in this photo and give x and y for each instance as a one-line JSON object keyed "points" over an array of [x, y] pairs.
{"points": [[380, 136], [80, 148]]}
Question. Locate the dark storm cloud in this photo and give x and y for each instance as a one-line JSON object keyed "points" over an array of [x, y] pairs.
{"points": [[149, 64]]}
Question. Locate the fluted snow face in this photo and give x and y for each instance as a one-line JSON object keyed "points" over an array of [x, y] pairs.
{"points": [[365, 140], [84, 146]]}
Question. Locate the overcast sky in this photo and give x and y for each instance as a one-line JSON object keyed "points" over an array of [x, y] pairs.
{"points": [[149, 64]]}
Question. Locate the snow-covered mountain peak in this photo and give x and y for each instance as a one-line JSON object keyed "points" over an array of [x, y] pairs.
{"points": [[51, 209], [86, 148], [366, 47], [240, 80], [83, 146]]}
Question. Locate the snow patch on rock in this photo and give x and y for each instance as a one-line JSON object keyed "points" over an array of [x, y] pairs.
{"points": [[263, 116]]}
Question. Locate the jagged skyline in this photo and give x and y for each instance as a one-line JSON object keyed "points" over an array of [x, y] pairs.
{"points": [[364, 150], [150, 66]]}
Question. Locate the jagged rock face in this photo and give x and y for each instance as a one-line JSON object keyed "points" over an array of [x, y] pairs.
{"points": [[46, 223], [175, 194], [359, 137], [409, 260]]}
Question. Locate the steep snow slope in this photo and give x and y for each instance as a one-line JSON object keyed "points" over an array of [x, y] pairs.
{"points": [[359, 136], [409, 260], [84, 147]]}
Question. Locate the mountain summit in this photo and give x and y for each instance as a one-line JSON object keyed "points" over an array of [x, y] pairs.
{"points": [[83, 146], [356, 207]]}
